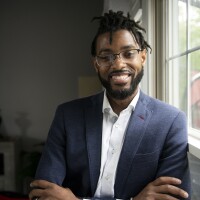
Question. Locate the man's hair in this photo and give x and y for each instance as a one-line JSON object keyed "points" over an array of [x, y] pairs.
{"points": [[113, 21]]}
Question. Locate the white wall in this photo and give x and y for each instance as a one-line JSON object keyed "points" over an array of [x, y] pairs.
{"points": [[44, 49], [115, 5]]}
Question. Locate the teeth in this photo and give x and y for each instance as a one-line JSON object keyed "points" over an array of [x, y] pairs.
{"points": [[122, 77]]}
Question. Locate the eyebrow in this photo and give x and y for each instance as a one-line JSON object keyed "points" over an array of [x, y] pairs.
{"points": [[127, 47], [105, 50]]}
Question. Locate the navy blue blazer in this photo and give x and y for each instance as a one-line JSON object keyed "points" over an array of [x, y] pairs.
{"points": [[155, 145]]}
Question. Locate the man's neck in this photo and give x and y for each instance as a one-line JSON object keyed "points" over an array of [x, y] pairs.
{"points": [[119, 105]]}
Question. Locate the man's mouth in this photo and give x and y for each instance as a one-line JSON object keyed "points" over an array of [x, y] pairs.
{"points": [[120, 77]]}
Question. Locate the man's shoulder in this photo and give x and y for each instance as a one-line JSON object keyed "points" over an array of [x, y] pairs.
{"points": [[84, 101], [155, 104]]}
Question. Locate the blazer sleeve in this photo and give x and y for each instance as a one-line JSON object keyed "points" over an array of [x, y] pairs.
{"points": [[53, 157], [174, 161]]}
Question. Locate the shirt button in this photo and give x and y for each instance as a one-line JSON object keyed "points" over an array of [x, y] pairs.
{"points": [[117, 126], [114, 151], [107, 177]]}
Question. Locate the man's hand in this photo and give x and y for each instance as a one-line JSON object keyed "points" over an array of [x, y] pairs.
{"points": [[50, 191], [162, 189]]}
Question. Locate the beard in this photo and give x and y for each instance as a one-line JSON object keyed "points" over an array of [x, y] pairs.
{"points": [[123, 93]]}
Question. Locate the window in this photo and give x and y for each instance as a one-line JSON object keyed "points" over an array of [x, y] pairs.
{"points": [[183, 60], [183, 73]]}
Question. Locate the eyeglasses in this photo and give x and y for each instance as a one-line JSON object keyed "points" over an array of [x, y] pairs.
{"points": [[107, 59]]}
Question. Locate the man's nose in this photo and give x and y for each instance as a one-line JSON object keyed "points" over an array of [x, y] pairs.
{"points": [[115, 57], [117, 61]]}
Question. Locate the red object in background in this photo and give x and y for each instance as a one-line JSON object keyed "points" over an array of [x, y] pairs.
{"points": [[195, 100], [3, 197], [7, 195]]}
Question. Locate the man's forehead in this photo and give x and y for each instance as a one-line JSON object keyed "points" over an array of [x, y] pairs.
{"points": [[122, 37]]}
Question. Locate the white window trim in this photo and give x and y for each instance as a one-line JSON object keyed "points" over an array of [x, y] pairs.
{"points": [[194, 146], [162, 8], [193, 138], [194, 142]]}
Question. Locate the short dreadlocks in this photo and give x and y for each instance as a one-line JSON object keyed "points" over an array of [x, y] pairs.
{"points": [[114, 21]]}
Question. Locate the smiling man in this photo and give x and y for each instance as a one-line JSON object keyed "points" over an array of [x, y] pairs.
{"points": [[119, 64], [120, 143]]}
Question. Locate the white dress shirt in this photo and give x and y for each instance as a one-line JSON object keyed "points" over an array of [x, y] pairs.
{"points": [[114, 129]]}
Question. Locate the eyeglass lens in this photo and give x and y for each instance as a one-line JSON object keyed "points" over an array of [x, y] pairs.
{"points": [[125, 56]]}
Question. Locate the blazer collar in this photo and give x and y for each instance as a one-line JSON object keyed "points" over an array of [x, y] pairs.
{"points": [[94, 120], [135, 132]]}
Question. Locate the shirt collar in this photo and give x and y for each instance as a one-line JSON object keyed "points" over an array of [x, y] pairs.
{"points": [[107, 107]]}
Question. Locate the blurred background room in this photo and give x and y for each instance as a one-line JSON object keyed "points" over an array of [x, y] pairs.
{"points": [[45, 60]]}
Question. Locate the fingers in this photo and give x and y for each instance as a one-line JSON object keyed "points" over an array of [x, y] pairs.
{"points": [[170, 189], [165, 188], [163, 197], [166, 180], [47, 190], [35, 193], [38, 188], [167, 185], [41, 184]]}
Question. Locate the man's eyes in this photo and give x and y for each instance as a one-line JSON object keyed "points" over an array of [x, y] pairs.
{"points": [[105, 57], [128, 54], [123, 54]]}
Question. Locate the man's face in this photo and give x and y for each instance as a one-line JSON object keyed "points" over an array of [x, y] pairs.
{"points": [[122, 77]]}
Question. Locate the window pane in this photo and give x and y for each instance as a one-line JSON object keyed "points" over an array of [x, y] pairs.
{"points": [[177, 27], [182, 23], [194, 64], [194, 23], [178, 83]]}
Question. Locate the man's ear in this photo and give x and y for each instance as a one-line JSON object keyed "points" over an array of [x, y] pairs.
{"points": [[95, 64], [143, 56]]}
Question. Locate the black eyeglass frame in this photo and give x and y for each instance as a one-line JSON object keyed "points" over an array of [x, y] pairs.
{"points": [[114, 56]]}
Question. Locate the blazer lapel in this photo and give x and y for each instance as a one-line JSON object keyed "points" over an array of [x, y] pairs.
{"points": [[135, 131], [94, 118]]}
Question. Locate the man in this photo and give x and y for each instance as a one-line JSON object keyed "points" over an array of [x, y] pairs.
{"points": [[121, 143]]}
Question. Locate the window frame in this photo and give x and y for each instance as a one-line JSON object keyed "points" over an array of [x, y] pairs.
{"points": [[157, 26], [193, 134]]}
